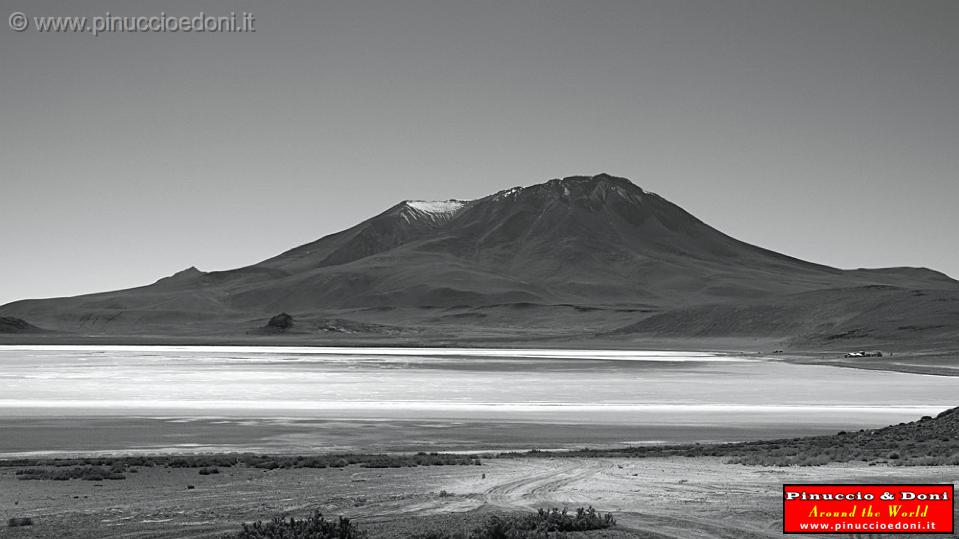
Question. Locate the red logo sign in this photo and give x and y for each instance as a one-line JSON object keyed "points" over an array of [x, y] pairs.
{"points": [[875, 509]]}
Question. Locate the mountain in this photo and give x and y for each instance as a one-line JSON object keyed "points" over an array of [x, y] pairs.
{"points": [[583, 255]]}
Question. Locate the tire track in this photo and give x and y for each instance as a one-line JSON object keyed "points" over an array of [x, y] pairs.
{"points": [[543, 485]]}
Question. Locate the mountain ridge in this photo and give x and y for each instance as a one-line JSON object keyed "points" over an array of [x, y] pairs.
{"points": [[596, 243]]}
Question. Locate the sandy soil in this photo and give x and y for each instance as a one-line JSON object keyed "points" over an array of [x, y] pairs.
{"points": [[676, 497]]}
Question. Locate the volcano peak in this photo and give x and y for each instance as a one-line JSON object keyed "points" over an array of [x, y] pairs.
{"points": [[554, 251]]}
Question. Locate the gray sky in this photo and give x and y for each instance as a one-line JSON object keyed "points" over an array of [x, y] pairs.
{"points": [[826, 130]]}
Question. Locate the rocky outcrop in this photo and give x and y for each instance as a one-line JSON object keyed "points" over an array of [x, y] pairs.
{"points": [[280, 322]]}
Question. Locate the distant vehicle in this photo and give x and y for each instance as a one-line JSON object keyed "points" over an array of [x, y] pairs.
{"points": [[863, 353]]}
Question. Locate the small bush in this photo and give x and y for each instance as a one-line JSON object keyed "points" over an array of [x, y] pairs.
{"points": [[313, 527], [433, 534], [543, 523], [17, 522]]}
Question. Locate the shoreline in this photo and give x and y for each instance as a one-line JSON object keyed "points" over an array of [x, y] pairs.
{"points": [[118, 436], [934, 433], [926, 360]]}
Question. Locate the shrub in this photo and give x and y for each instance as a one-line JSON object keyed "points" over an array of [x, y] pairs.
{"points": [[543, 523], [313, 527], [583, 520], [266, 462], [16, 522], [86, 473], [433, 534]]}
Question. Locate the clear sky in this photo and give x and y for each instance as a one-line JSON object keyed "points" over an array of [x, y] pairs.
{"points": [[827, 130]]}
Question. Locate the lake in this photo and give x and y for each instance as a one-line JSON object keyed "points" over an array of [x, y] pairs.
{"points": [[65, 399]]}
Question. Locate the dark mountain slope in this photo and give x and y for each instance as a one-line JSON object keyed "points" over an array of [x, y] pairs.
{"points": [[597, 243], [842, 317], [9, 324]]}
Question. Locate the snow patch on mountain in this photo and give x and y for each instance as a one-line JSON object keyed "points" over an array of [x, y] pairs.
{"points": [[437, 212], [436, 206]]}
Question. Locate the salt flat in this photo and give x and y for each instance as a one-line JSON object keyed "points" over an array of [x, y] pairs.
{"points": [[210, 398]]}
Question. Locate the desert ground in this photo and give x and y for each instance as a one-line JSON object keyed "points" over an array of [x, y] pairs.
{"points": [[672, 497]]}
